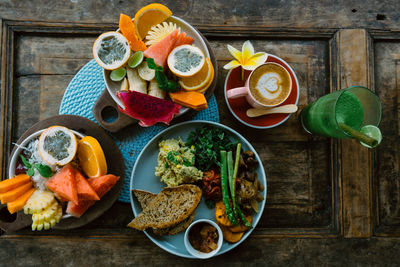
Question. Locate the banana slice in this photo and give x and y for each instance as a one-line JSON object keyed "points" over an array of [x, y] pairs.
{"points": [[39, 201], [145, 72]]}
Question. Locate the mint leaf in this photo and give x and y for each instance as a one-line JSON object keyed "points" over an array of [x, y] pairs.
{"points": [[162, 80], [25, 162], [151, 64], [173, 86], [44, 170], [30, 172]]}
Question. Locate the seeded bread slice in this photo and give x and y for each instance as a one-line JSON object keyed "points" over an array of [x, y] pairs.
{"points": [[145, 197], [170, 207]]}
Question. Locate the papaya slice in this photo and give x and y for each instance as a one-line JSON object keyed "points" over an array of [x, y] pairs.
{"points": [[128, 30], [63, 184], [14, 182], [191, 99], [15, 193], [101, 185], [85, 191], [20, 202]]}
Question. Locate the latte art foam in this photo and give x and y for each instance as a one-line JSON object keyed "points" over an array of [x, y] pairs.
{"points": [[270, 84]]}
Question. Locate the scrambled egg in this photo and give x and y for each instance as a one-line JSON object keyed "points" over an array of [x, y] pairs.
{"points": [[176, 163]]}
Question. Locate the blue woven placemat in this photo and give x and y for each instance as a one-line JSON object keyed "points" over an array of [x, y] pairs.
{"points": [[80, 97]]}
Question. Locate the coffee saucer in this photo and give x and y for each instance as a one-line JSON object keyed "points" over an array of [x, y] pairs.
{"points": [[239, 106]]}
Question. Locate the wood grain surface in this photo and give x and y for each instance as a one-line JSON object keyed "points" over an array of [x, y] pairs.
{"points": [[329, 202]]}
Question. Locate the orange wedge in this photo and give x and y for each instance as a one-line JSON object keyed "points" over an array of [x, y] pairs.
{"points": [[149, 16], [128, 30], [91, 157], [200, 79]]}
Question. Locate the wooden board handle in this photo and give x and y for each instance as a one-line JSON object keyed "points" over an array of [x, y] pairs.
{"points": [[106, 112], [13, 222]]}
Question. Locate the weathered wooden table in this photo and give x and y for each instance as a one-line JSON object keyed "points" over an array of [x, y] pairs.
{"points": [[329, 202]]}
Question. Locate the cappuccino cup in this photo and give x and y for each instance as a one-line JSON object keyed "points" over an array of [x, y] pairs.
{"points": [[268, 85]]}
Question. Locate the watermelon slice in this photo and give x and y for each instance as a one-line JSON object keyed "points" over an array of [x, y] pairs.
{"points": [[148, 109], [85, 191], [101, 185], [160, 51], [63, 184]]}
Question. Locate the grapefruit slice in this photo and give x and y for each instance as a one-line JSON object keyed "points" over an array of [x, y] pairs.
{"points": [[63, 184], [85, 191], [101, 185], [111, 50], [160, 51], [186, 60]]}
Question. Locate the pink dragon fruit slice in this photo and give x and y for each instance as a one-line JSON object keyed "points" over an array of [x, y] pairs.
{"points": [[148, 109]]}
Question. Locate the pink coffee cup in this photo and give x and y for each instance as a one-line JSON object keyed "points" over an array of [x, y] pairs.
{"points": [[269, 84]]}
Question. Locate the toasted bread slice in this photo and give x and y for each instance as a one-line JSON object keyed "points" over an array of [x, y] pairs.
{"points": [[170, 207], [144, 197]]}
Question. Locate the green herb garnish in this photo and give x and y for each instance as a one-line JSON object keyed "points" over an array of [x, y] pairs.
{"points": [[186, 162], [208, 143], [161, 78], [44, 170]]}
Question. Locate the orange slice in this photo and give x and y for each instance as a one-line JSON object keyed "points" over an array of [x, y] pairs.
{"points": [[149, 16], [91, 157], [200, 79], [128, 30]]}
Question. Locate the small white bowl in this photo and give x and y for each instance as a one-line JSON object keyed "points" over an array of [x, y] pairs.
{"points": [[14, 157], [195, 252]]}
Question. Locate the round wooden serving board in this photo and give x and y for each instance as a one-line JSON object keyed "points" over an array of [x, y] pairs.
{"points": [[115, 166]]}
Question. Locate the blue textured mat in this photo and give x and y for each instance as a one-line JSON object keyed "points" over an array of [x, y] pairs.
{"points": [[80, 97]]}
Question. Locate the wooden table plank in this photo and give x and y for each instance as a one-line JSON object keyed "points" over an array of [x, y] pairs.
{"points": [[355, 160]]}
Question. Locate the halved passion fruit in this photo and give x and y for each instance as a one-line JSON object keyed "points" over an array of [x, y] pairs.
{"points": [[57, 145], [186, 60], [111, 50]]}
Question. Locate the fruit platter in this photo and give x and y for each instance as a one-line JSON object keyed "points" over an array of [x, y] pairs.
{"points": [[156, 66], [59, 177], [214, 169]]}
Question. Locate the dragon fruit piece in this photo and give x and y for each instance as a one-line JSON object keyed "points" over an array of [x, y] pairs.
{"points": [[148, 109]]}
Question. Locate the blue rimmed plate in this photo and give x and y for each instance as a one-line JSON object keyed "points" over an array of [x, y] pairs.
{"points": [[143, 178]]}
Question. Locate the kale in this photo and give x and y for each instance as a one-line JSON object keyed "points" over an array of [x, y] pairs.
{"points": [[208, 142]]}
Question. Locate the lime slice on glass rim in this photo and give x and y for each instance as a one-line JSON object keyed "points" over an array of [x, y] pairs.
{"points": [[373, 132], [118, 74], [136, 59]]}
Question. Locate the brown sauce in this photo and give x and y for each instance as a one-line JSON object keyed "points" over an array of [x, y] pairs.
{"points": [[203, 237]]}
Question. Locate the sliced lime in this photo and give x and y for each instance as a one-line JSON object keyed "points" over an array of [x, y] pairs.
{"points": [[371, 131], [118, 74], [136, 59]]}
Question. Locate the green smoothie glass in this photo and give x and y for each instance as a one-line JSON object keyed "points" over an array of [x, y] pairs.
{"points": [[343, 114]]}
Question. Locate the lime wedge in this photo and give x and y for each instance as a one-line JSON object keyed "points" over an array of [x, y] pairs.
{"points": [[118, 74], [371, 131], [136, 59]]}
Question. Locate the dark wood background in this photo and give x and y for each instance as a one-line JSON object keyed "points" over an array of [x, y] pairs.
{"points": [[329, 202]]}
